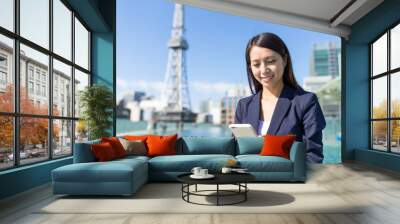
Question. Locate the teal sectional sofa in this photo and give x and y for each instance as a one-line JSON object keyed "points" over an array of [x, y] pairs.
{"points": [[125, 176]]}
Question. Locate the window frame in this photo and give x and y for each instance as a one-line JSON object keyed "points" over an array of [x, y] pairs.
{"points": [[388, 74], [3, 77], [16, 114]]}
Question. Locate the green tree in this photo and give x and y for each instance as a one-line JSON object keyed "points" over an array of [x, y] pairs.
{"points": [[33, 131], [380, 127], [97, 109], [395, 124]]}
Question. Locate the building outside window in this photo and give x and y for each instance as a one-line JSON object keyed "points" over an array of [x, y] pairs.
{"points": [[30, 72], [34, 81], [3, 61], [30, 87], [385, 97], [43, 77], [3, 78], [55, 96], [3, 72], [37, 75], [37, 89]]}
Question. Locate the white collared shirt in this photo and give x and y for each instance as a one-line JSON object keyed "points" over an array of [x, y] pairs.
{"points": [[263, 127]]}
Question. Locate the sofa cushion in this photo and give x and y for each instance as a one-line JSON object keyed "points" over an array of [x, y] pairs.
{"points": [[111, 171], [135, 137], [161, 145], [249, 145], [206, 145], [134, 147], [277, 145], [103, 151], [257, 163], [116, 145], [93, 172], [185, 163], [131, 158]]}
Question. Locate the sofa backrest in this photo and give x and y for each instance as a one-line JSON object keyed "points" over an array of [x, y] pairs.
{"points": [[190, 146], [249, 145], [206, 145]]}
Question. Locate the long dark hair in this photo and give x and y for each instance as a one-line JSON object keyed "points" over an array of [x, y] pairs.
{"points": [[275, 43]]}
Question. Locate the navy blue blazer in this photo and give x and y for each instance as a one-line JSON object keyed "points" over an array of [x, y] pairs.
{"points": [[296, 112]]}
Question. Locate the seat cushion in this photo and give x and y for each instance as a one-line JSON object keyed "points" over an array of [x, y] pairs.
{"points": [[185, 163], [257, 163], [132, 160], [111, 171]]}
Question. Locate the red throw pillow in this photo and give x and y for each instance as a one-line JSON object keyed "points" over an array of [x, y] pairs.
{"points": [[116, 145], [103, 151], [161, 145], [277, 145], [136, 137]]}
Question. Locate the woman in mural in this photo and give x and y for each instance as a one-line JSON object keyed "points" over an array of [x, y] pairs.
{"points": [[278, 105]]}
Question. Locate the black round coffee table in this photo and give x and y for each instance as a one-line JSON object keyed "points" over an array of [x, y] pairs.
{"points": [[238, 179]]}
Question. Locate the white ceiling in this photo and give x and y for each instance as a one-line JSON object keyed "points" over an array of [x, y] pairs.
{"points": [[315, 15]]}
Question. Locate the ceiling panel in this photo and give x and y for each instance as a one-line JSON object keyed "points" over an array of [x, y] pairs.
{"points": [[315, 15], [321, 9]]}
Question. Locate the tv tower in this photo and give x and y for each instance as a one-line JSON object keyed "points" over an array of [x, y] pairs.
{"points": [[176, 92], [175, 95]]}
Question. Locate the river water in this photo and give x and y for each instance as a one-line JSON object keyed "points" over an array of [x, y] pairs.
{"points": [[332, 144]]}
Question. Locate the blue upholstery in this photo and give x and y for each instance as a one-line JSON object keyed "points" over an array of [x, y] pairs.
{"points": [[206, 145], [249, 145], [298, 157], [126, 175], [83, 152], [160, 165], [270, 168], [119, 177], [259, 163], [130, 158], [93, 172]]}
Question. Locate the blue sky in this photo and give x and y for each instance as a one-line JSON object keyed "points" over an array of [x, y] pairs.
{"points": [[215, 58]]}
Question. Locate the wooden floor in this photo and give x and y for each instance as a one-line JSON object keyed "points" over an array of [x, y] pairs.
{"points": [[377, 188]]}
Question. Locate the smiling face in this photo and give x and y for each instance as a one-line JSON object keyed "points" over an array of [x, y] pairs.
{"points": [[267, 66]]}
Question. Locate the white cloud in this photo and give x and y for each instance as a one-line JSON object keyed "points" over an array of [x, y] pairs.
{"points": [[214, 88], [129, 86]]}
